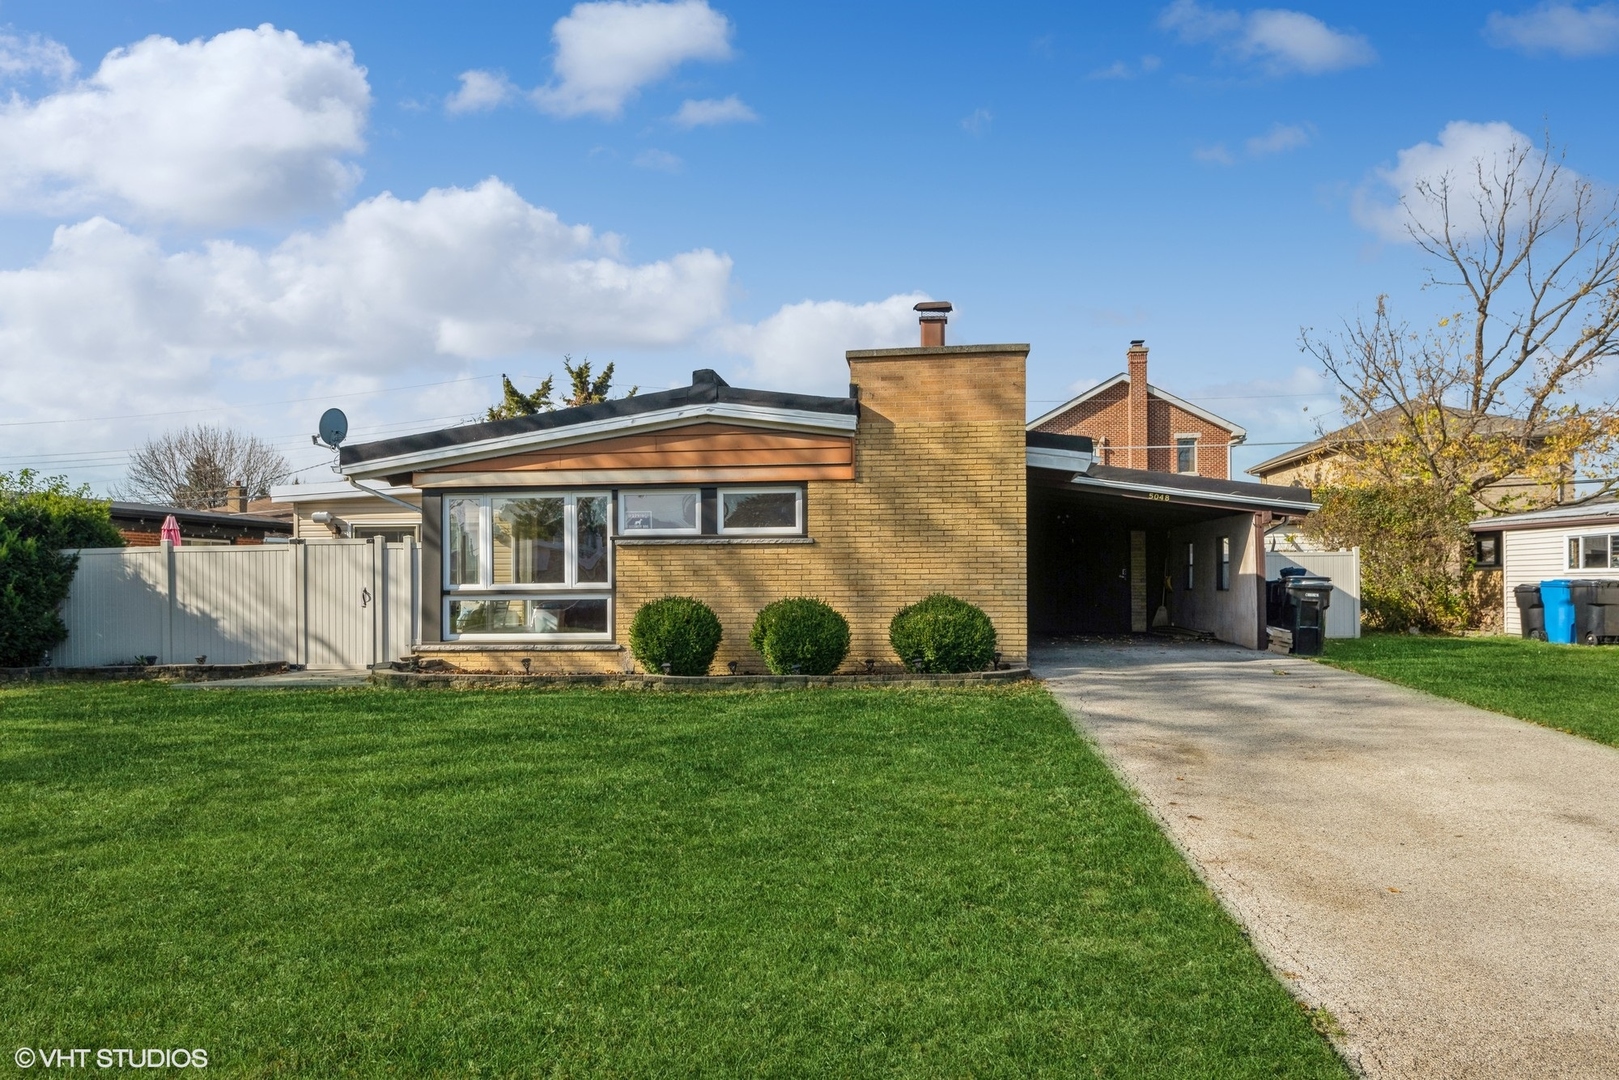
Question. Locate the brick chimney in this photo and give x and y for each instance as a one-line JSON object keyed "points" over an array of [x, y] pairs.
{"points": [[236, 499], [1136, 458], [935, 313]]}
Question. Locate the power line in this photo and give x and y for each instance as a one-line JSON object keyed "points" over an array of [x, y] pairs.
{"points": [[254, 405]]}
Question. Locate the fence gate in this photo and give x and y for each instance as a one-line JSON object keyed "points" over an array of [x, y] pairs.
{"points": [[321, 603]]}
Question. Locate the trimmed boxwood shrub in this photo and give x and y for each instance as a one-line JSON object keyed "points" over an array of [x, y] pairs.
{"points": [[677, 630], [802, 632], [944, 635]]}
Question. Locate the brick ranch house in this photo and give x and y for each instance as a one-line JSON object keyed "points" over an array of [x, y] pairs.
{"points": [[542, 535]]}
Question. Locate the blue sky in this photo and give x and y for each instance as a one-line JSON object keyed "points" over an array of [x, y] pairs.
{"points": [[240, 229]]}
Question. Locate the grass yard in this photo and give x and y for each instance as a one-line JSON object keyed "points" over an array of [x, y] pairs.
{"points": [[1573, 688], [827, 883]]}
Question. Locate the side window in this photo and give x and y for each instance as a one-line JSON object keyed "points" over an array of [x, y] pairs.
{"points": [[761, 510]]}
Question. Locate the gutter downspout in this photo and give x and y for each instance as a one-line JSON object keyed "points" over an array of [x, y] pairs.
{"points": [[372, 491]]}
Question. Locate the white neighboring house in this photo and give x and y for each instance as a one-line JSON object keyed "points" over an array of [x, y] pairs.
{"points": [[339, 509], [1566, 542]]}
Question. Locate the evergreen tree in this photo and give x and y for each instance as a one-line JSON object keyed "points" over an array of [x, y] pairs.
{"points": [[514, 402]]}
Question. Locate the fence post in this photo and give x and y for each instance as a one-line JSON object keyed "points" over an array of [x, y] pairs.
{"points": [[169, 601], [379, 596], [300, 601]]}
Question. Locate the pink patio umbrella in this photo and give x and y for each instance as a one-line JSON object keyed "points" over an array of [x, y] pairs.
{"points": [[170, 531]]}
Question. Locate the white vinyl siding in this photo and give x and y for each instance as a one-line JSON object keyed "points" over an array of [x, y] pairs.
{"points": [[1531, 556]]}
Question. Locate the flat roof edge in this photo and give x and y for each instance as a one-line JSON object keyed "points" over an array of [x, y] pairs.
{"points": [[936, 350]]}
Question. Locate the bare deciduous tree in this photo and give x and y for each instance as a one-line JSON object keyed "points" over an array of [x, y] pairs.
{"points": [[1531, 251], [196, 467]]}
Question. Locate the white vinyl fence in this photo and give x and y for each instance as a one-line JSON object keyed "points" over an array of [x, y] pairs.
{"points": [[320, 603], [1343, 567]]}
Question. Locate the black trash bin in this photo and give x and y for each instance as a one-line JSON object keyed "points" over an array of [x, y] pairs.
{"points": [[1276, 601], [1531, 613], [1600, 625], [1308, 601], [1584, 592]]}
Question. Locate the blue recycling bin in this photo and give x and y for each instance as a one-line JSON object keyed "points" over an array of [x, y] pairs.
{"points": [[1558, 600]]}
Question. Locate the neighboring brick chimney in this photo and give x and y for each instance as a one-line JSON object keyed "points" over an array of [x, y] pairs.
{"points": [[935, 313], [236, 499], [1136, 457]]}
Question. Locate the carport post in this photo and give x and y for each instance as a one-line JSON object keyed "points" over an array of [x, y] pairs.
{"points": [[1257, 546]]}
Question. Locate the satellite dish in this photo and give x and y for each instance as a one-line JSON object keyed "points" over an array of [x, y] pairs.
{"points": [[334, 427]]}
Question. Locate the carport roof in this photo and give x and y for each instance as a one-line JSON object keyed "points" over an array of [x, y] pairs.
{"points": [[1206, 491]]}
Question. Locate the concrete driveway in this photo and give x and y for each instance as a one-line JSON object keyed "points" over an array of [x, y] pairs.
{"points": [[1443, 880]]}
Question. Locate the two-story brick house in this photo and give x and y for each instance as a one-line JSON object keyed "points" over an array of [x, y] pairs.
{"points": [[1136, 425]]}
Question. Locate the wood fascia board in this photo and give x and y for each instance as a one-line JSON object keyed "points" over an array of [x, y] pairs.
{"points": [[739, 474], [702, 445], [745, 415]]}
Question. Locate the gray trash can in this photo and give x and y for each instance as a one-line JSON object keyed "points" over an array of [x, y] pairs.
{"points": [[1584, 594], [1600, 623], [1308, 599], [1531, 614]]}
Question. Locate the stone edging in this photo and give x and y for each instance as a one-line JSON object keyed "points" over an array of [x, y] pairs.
{"points": [[457, 680], [142, 672]]}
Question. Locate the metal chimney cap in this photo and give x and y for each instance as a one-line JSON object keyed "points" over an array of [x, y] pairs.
{"points": [[1136, 343], [934, 305]]}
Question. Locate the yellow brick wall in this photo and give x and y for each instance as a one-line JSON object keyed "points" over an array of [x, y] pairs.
{"points": [[938, 503]]}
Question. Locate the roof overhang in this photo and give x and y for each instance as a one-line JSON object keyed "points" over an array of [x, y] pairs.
{"points": [[1233, 497], [445, 458], [1605, 514], [1238, 434], [335, 491], [1041, 457]]}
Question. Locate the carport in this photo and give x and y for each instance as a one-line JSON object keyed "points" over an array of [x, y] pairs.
{"points": [[1118, 551]]}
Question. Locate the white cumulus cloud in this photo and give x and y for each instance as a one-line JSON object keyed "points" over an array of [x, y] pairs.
{"points": [[1279, 41], [248, 126], [1562, 28], [606, 52], [800, 347], [1462, 148], [480, 91], [708, 112], [459, 275], [35, 55]]}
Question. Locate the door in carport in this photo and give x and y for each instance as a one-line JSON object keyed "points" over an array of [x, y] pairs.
{"points": [[1079, 573]]}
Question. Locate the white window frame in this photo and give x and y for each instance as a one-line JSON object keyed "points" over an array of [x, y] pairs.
{"points": [[623, 510], [1197, 445], [486, 584], [449, 635], [797, 492], [1581, 537]]}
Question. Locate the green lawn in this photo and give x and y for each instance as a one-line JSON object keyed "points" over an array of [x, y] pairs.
{"points": [[1573, 688], [825, 883]]}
